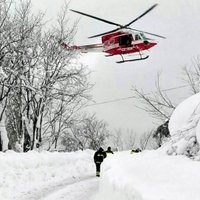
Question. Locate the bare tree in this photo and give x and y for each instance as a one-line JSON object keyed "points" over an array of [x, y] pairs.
{"points": [[117, 140], [191, 75], [130, 140], [62, 116], [124, 141], [157, 104], [95, 131], [89, 132], [147, 141]]}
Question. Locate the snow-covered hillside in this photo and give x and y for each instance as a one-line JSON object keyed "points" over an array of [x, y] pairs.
{"points": [[149, 175]]}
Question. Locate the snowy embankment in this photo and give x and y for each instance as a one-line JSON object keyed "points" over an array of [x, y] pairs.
{"points": [[25, 172], [149, 175], [184, 126]]}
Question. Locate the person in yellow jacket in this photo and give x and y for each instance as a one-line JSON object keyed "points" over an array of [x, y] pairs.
{"points": [[109, 151], [135, 151], [132, 151]]}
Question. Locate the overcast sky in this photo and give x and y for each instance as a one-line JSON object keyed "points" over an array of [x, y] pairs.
{"points": [[177, 20]]}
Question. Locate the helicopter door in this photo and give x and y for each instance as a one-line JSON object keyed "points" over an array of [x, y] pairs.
{"points": [[125, 40]]}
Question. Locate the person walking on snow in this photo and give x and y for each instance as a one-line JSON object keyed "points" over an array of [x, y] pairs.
{"points": [[98, 159], [109, 151]]}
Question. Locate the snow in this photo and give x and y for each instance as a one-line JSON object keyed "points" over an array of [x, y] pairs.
{"points": [[149, 175], [163, 174], [184, 126], [30, 175], [183, 114]]}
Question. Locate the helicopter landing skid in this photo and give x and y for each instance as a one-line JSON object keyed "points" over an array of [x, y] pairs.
{"points": [[137, 59]]}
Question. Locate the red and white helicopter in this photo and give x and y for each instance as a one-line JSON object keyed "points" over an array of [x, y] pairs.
{"points": [[120, 41]]}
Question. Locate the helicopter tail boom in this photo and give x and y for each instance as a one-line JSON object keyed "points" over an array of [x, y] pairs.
{"points": [[84, 48]]}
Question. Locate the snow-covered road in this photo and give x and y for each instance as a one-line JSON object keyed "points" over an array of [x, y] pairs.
{"points": [[149, 175], [69, 189], [80, 190], [47, 175]]}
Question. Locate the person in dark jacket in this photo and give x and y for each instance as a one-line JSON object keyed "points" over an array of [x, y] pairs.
{"points": [[162, 132], [163, 129], [98, 159], [109, 151]]}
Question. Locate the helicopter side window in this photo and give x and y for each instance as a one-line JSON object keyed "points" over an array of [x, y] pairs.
{"points": [[125, 40], [137, 37]]}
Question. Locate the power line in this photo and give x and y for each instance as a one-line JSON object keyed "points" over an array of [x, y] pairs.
{"points": [[131, 97]]}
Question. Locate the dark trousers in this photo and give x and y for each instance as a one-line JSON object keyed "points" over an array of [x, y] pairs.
{"points": [[98, 168]]}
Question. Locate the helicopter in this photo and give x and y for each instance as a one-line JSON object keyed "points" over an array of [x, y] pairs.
{"points": [[119, 41]]}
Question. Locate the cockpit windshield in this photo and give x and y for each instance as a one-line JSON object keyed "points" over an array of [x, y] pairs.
{"points": [[140, 36]]}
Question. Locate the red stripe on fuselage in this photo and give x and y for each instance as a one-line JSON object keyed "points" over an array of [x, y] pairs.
{"points": [[132, 49]]}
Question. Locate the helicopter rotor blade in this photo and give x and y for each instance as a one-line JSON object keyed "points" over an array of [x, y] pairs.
{"points": [[160, 36], [97, 18], [119, 25], [104, 33], [151, 8]]}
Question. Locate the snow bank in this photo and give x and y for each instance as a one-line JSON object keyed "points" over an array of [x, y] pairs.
{"points": [[184, 126], [150, 175], [184, 113], [20, 172]]}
